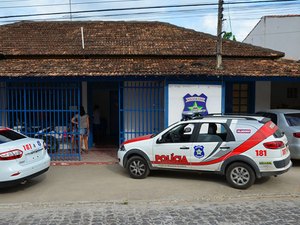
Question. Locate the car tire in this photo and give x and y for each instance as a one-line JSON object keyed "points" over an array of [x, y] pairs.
{"points": [[137, 167], [240, 175]]}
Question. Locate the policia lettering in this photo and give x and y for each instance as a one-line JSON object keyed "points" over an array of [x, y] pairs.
{"points": [[170, 159]]}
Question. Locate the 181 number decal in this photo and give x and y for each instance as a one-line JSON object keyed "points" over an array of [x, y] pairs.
{"points": [[261, 152]]}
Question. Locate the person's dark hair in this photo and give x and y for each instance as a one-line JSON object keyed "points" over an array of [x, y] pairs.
{"points": [[82, 111]]}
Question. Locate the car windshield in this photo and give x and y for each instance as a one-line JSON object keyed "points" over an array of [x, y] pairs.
{"points": [[293, 119], [7, 135]]}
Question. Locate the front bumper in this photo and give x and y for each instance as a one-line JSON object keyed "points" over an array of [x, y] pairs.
{"points": [[121, 155]]}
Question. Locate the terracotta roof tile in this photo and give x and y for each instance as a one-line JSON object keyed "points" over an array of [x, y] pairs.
{"points": [[146, 67], [116, 38]]}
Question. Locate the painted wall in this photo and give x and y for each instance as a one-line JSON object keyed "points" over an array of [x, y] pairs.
{"points": [[262, 95], [278, 33], [176, 92]]}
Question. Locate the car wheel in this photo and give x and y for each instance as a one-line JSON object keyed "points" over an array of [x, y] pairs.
{"points": [[240, 175], [137, 167]]}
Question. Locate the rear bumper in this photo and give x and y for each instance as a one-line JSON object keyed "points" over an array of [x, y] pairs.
{"points": [[277, 172], [4, 184], [14, 172]]}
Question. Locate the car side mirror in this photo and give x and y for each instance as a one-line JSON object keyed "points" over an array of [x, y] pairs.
{"points": [[159, 140], [187, 130]]}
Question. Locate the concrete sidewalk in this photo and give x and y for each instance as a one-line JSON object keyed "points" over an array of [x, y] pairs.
{"points": [[111, 183], [95, 156]]}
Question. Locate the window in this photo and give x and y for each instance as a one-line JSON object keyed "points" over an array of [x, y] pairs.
{"points": [[178, 134], [212, 132], [272, 116], [293, 119], [9, 135], [240, 98]]}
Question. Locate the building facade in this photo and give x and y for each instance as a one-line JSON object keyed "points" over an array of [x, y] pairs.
{"points": [[280, 33], [142, 75]]}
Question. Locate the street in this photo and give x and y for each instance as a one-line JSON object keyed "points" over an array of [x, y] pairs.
{"points": [[104, 194]]}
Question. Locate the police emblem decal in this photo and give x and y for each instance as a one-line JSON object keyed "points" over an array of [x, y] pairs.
{"points": [[199, 151]]}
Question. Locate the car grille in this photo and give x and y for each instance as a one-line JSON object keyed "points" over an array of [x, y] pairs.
{"points": [[282, 163]]}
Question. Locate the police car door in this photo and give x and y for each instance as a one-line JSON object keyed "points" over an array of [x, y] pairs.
{"points": [[212, 142], [173, 148]]}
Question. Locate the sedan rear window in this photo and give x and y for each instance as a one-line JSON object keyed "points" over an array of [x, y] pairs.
{"points": [[293, 119], [7, 135]]}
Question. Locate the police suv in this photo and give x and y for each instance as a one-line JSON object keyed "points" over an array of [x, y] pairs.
{"points": [[242, 148]]}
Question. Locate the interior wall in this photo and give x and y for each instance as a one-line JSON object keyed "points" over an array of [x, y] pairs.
{"points": [[280, 97]]}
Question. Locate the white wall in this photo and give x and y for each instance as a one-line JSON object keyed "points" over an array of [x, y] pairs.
{"points": [[262, 95], [176, 92], [278, 33]]}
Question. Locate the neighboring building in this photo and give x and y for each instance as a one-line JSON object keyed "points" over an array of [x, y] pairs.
{"points": [[281, 33], [143, 75]]}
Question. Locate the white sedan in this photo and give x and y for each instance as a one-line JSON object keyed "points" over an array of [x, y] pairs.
{"points": [[21, 157]]}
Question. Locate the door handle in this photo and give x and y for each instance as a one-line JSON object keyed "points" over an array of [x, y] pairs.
{"points": [[224, 148], [184, 147]]}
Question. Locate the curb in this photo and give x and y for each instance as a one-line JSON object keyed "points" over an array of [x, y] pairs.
{"points": [[81, 163]]}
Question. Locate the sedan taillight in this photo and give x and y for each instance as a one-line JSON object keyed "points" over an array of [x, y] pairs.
{"points": [[274, 144], [11, 155], [296, 135]]}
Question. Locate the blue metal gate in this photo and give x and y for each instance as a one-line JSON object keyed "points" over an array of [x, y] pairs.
{"points": [[141, 108], [43, 110]]}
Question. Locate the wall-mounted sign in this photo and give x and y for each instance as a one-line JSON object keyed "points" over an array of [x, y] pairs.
{"points": [[195, 104], [191, 97]]}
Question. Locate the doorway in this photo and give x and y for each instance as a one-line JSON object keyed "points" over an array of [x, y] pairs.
{"points": [[105, 95]]}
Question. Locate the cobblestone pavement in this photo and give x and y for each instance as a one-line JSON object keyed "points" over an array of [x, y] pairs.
{"points": [[252, 211]]}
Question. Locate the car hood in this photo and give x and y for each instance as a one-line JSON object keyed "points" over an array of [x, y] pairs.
{"points": [[141, 138]]}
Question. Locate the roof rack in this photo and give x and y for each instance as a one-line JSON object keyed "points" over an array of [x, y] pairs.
{"points": [[191, 116], [197, 115], [235, 115]]}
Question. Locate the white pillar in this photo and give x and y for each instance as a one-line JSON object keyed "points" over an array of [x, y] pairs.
{"points": [[262, 95]]}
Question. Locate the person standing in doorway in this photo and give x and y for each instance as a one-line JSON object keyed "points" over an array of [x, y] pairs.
{"points": [[96, 125], [84, 129]]}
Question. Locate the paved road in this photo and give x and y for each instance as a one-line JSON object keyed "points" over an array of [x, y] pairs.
{"points": [[262, 211], [93, 194]]}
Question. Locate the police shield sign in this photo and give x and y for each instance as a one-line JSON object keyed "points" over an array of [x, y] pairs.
{"points": [[195, 104]]}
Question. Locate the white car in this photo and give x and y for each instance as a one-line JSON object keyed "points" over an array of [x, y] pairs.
{"points": [[288, 120], [21, 157], [239, 147]]}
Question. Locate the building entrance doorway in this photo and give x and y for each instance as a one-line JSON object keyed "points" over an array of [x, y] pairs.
{"points": [[105, 97]]}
